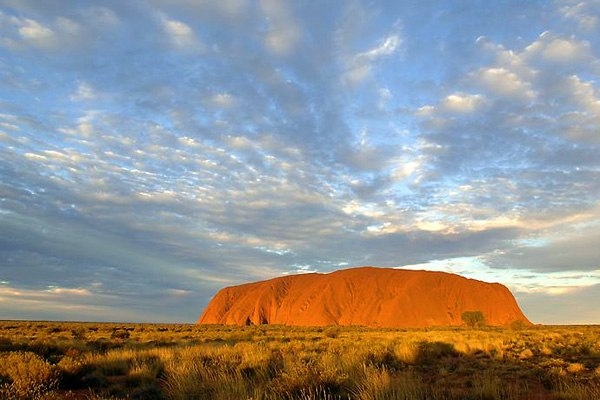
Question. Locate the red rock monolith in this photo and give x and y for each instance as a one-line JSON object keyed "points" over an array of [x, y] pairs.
{"points": [[365, 296]]}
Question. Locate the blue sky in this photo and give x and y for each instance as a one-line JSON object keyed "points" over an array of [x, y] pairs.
{"points": [[153, 152]]}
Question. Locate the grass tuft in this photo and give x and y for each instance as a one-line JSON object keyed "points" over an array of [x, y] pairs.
{"points": [[26, 375]]}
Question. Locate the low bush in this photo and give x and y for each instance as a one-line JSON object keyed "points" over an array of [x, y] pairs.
{"points": [[26, 375]]}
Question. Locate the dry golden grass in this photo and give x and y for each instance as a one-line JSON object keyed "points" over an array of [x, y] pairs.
{"points": [[28, 375], [152, 361]]}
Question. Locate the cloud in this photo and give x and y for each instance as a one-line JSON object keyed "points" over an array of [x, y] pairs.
{"points": [[505, 140], [161, 150], [579, 123], [223, 100], [552, 309], [283, 33], [380, 43], [84, 92], [564, 54], [21, 33], [180, 35], [80, 304], [35, 33], [462, 103], [521, 162], [564, 50], [584, 13], [388, 46], [560, 252], [361, 65], [17, 29], [503, 82]]}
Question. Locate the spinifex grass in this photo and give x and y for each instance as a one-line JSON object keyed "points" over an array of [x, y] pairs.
{"points": [[146, 361]]}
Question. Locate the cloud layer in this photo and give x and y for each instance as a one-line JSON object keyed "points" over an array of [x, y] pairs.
{"points": [[153, 152]]}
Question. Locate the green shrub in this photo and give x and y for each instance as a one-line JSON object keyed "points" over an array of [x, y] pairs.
{"points": [[473, 318]]}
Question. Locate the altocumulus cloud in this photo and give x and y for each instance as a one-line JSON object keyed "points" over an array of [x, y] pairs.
{"points": [[155, 151]]}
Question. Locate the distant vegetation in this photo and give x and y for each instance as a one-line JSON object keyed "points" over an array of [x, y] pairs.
{"points": [[47, 360], [473, 318]]}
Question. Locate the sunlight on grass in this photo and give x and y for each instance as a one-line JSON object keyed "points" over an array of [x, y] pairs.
{"points": [[71, 361]]}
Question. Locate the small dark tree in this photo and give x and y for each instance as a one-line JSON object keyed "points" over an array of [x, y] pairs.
{"points": [[119, 333], [78, 333], [473, 318]]}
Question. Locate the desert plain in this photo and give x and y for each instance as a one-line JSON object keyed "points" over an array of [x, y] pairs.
{"points": [[70, 360]]}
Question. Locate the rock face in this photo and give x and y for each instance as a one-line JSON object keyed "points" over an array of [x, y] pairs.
{"points": [[367, 296]]}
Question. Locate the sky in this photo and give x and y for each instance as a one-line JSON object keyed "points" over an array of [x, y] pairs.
{"points": [[153, 152]]}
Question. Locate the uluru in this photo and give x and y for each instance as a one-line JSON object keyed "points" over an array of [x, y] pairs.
{"points": [[364, 296]]}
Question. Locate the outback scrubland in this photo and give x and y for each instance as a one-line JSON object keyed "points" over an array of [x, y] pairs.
{"points": [[55, 360]]}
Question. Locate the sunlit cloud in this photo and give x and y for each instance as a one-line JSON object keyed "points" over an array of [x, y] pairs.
{"points": [[84, 92], [361, 65], [164, 149], [462, 103], [518, 280], [501, 81], [35, 33], [180, 35]]}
